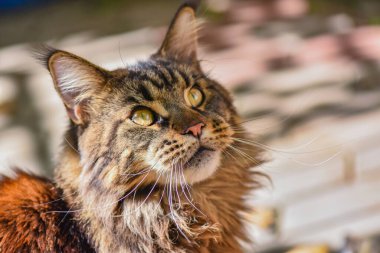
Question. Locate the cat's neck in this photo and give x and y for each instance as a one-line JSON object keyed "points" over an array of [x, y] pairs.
{"points": [[197, 216], [68, 169]]}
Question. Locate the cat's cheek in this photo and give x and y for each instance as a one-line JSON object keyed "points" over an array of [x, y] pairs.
{"points": [[215, 139], [153, 159]]}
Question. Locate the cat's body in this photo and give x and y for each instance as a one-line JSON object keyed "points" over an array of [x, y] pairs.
{"points": [[154, 160], [33, 218]]}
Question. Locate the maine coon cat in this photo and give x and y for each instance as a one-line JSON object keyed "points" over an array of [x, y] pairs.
{"points": [[155, 160]]}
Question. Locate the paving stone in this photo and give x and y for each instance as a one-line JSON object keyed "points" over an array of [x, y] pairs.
{"points": [[363, 101], [341, 24], [366, 40], [304, 102], [264, 126], [357, 224], [343, 130], [367, 162], [320, 210], [255, 103], [253, 13], [300, 166], [318, 49], [258, 12], [367, 159], [213, 38], [309, 180], [308, 76], [237, 65], [295, 183], [218, 6], [232, 72], [290, 8]]}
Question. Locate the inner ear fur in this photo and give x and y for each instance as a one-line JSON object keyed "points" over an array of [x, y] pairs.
{"points": [[76, 80]]}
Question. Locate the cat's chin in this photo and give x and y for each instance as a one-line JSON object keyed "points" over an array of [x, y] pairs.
{"points": [[199, 167], [202, 165]]}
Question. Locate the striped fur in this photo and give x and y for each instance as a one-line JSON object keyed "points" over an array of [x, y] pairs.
{"points": [[146, 189]]}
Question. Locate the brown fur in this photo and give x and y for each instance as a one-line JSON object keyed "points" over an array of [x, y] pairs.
{"points": [[145, 189], [217, 226], [32, 218]]}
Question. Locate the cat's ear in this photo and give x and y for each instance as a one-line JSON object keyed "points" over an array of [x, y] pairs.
{"points": [[180, 42], [76, 81]]}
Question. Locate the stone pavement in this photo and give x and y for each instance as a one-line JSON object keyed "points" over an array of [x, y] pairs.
{"points": [[309, 89]]}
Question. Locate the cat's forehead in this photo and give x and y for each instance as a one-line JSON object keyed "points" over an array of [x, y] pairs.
{"points": [[163, 74], [150, 80]]}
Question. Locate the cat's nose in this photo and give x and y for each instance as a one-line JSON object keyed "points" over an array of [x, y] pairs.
{"points": [[196, 129]]}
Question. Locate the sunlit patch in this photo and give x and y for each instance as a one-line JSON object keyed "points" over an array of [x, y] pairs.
{"points": [[126, 153], [109, 176], [183, 159]]}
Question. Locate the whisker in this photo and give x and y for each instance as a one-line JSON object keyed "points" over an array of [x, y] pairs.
{"points": [[171, 206], [261, 117], [55, 200], [162, 196], [188, 198], [121, 58], [268, 148], [228, 153], [284, 153], [176, 184], [242, 153], [144, 201], [318, 163], [70, 145]]}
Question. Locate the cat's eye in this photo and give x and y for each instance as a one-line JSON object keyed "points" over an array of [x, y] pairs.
{"points": [[195, 97], [143, 117]]}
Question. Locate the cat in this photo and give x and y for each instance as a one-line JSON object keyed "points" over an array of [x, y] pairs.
{"points": [[154, 160]]}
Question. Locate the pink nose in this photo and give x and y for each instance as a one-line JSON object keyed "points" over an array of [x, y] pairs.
{"points": [[196, 130]]}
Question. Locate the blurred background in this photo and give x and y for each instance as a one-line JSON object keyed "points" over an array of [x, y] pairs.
{"points": [[304, 73]]}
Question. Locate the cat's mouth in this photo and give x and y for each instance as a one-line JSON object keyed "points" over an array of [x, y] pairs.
{"points": [[196, 159], [201, 165], [196, 166]]}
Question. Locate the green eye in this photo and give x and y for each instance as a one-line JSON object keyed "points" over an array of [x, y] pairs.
{"points": [[195, 97], [143, 117]]}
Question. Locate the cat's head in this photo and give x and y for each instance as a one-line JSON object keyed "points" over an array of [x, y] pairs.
{"points": [[161, 117]]}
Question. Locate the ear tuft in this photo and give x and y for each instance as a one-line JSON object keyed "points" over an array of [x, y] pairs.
{"points": [[42, 53], [76, 80]]}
